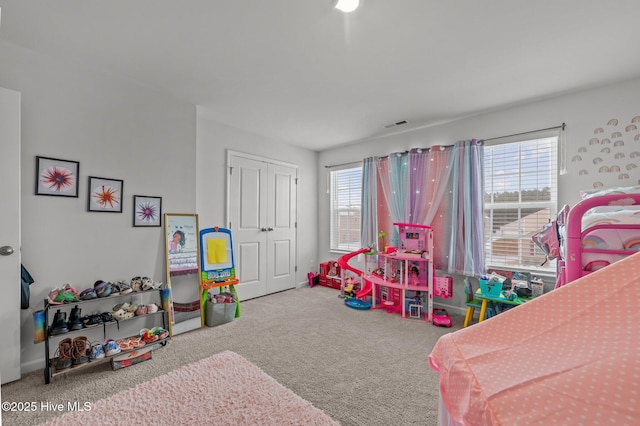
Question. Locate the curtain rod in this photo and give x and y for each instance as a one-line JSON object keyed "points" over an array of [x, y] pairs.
{"points": [[343, 164], [562, 126]]}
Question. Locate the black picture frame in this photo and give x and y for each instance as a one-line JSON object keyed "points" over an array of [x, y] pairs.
{"points": [[57, 177], [147, 211], [105, 195]]}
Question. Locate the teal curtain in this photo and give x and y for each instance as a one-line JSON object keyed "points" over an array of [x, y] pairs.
{"points": [[466, 250], [369, 206], [394, 179]]}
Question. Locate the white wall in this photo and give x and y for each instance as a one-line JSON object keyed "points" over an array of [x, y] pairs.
{"points": [[583, 112], [214, 140], [115, 130]]}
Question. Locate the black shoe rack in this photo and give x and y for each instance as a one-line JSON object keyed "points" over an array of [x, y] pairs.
{"points": [[50, 370]]}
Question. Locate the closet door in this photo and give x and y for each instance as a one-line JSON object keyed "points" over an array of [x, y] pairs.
{"points": [[262, 217], [10, 235], [281, 227]]}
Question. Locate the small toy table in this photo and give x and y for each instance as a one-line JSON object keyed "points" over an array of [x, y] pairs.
{"points": [[497, 299]]}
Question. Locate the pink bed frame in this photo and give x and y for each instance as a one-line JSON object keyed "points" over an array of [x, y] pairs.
{"points": [[570, 267]]}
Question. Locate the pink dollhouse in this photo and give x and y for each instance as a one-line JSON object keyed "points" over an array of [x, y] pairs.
{"points": [[406, 274]]}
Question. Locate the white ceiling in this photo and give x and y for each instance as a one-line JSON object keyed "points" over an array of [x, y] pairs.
{"points": [[301, 72]]}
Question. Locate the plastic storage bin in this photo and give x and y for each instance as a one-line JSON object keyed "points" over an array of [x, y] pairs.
{"points": [[219, 313]]}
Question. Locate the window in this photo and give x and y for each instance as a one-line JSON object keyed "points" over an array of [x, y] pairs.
{"points": [[345, 194], [520, 196]]}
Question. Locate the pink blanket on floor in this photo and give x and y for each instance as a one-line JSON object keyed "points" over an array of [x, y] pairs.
{"points": [[571, 356]]}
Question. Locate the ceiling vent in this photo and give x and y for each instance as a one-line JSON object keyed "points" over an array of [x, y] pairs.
{"points": [[396, 124]]}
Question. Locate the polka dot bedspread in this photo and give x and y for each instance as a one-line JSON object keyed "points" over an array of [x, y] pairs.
{"points": [[571, 356]]}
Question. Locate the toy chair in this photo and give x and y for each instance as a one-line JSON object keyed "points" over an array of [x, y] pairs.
{"points": [[473, 303]]}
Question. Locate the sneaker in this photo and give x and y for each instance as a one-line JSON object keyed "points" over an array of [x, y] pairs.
{"points": [[111, 347], [107, 317], [97, 352], [62, 360], [91, 320]]}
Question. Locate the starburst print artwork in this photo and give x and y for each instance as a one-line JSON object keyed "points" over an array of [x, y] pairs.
{"points": [[58, 179], [147, 212], [106, 196]]}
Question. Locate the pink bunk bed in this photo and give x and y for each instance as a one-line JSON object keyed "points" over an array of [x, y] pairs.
{"points": [[599, 230], [567, 357]]}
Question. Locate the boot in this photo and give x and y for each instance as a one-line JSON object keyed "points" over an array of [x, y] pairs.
{"points": [[59, 325], [79, 350], [75, 319], [63, 360]]}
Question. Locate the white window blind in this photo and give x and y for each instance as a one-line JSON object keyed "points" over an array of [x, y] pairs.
{"points": [[520, 195], [345, 188]]}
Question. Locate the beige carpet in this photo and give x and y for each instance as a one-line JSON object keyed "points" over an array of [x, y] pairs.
{"points": [[224, 389], [362, 368]]}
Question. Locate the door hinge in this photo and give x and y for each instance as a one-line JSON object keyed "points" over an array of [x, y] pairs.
{"points": [[229, 225], [295, 225], [296, 181], [295, 269], [230, 170]]}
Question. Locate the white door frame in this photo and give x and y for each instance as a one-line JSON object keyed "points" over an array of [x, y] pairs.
{"points": [[230, 154]]}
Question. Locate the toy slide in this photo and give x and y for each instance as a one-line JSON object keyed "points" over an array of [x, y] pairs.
{"points": [[344, 265], [366, 289]]}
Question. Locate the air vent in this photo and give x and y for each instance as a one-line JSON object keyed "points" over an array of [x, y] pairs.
{"points": [[396, 124]]}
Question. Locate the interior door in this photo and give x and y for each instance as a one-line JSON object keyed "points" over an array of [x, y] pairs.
{"points": [[10, 235], [281, 227], [262, 216]]}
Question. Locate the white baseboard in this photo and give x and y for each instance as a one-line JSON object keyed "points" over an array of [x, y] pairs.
{"points": [[452, 309]]}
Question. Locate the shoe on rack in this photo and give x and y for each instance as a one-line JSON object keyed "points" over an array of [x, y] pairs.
{"points": [[62, 360], [68, 294], [59, 325], [107, 317], [115, 289], [52, 296], [88, 294], [91, 320], [79, 348], [124, 288], [136, 284], [97, 351], [75, 319], [111, 347], [103, 288]]}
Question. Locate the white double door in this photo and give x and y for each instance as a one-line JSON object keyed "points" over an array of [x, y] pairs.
{"points": [[262, 206]]}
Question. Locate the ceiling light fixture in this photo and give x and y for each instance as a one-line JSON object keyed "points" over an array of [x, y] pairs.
{"points": [[346, 6]]}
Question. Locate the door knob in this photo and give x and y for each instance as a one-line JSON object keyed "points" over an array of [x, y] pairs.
{"points": [[269, 229], [6, 250], [263, 229]]}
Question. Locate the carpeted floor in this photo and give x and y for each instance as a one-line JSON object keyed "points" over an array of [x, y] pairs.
{"points": [[359, 367], [224, 389]]}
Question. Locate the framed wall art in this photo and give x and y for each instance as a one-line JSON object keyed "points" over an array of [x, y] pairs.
{"points": [[147, 211], [57, 177], [104, 195]]}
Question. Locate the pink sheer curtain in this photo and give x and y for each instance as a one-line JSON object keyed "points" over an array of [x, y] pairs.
{"points": [[430, 173]]}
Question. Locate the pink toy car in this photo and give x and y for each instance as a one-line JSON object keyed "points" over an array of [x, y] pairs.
{"points": [[441, 317]]}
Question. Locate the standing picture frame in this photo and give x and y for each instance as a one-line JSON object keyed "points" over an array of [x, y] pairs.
{"points": [[57, 177], [104, 195], [147, 211]]}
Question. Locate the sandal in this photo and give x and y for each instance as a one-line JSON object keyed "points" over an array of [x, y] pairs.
{"points": [[124, 288], [137, 342], [125, 344]]}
